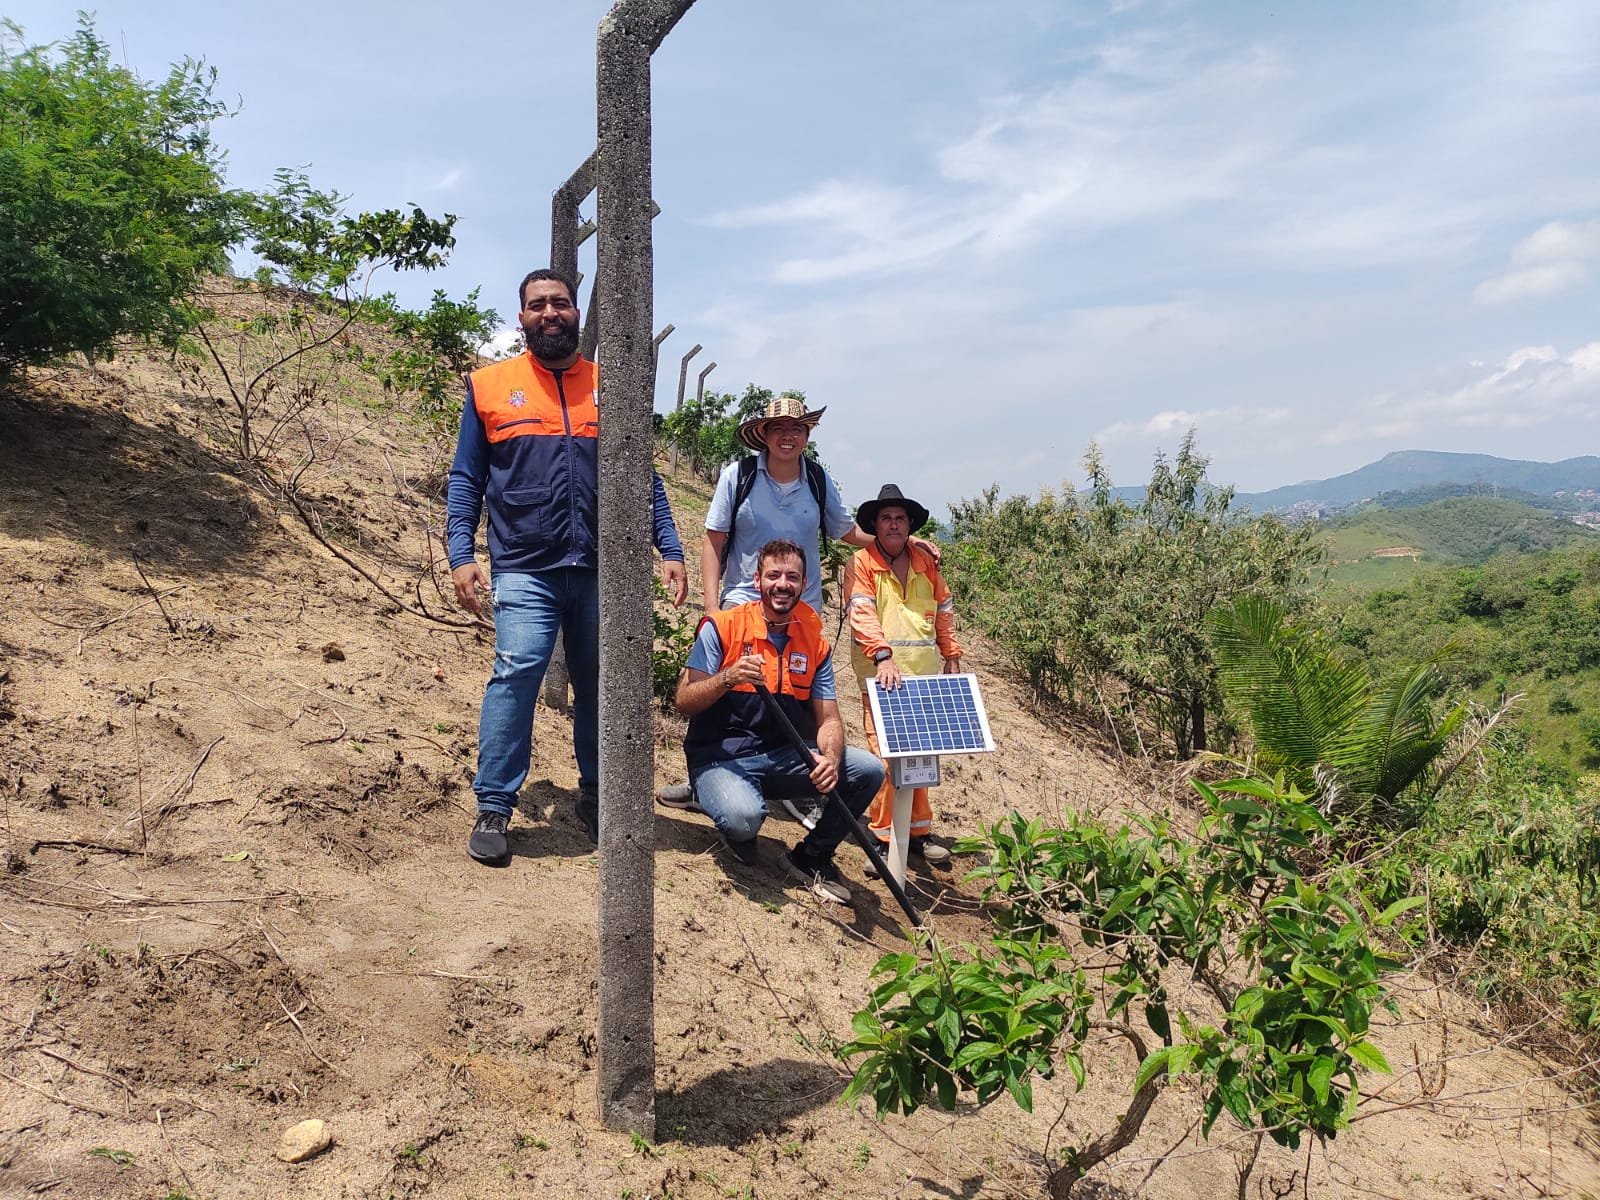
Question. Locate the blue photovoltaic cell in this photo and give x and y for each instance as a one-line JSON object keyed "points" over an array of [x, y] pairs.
{"points": [[932, 714]]}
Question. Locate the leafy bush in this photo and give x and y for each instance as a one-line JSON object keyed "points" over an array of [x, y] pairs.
{"points": [[1087, 589], [441, 348], [1289, 964], [263, 371], [1510, 861], [112, 193], [673, 631]]}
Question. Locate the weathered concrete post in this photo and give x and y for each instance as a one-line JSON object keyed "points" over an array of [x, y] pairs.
{"points": [[683, 379], [655, 354], [700, 384], [624, 279], [567, 232]]}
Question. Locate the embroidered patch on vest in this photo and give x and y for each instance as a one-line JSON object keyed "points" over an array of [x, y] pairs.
{"points": [[797, 663], [517, 399]]}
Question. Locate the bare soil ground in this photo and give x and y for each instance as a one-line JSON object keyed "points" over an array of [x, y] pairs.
{"points": [[234, 891]]}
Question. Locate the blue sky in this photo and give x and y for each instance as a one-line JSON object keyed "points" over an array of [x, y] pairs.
{"points": [[984, 235]]}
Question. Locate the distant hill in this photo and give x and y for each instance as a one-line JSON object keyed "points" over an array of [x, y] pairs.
{"points": [[1462, 529], [1405, 470]]}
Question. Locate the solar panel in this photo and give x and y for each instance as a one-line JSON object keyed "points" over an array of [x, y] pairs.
{"points": [[930, 714]]}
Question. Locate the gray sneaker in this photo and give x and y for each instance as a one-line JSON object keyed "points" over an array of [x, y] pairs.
{"points": [[677, 795], [819, 875], [488, 843], [807, 810], [930, 851]]}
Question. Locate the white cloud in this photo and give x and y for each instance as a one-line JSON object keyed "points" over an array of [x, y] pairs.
{"points": [[1550, 260], [448, 180], [503, 344], [1532, 387], [1151, 126], [1208, 422]]}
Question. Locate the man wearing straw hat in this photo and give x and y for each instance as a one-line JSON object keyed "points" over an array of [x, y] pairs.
{"points": [[780, 493], [902, 622]]}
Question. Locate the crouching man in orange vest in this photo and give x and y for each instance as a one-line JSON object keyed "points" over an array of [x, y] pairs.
{"points": [[902, 622], [739, 756]]}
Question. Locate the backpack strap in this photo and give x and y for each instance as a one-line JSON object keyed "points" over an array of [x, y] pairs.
{"points": [[744, 483]]}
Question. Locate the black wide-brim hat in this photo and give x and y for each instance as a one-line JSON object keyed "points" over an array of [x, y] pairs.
{"points": [[889, 496]]}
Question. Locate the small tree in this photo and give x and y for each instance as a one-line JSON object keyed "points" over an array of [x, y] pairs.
{"points": [[442, 347], [112, 193], [1086, 586], [323, 262], [1287, 967]]}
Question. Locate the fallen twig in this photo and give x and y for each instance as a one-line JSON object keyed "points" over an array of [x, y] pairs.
{"points": [[78, 1066], [172, 626], [81, 844], [80, 1105], [109, 621], [295, 1020]]}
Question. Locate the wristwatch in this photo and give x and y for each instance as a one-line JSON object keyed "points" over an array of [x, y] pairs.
{"points": [[883, 655]]}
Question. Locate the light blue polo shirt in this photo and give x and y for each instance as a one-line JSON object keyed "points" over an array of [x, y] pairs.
{"points": [[773, 510]]}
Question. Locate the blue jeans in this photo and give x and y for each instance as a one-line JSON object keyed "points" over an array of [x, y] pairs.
{"points": [[734, 793], [528, 611]]}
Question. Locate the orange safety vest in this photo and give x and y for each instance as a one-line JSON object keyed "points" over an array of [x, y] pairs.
{"points": [[543, 429], [738, 723]]}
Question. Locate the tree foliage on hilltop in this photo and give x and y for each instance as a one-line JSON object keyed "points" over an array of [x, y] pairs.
{"points": [[113, 197], [705, 431], [1460, 529], [1526, 623], [1085, 587]]}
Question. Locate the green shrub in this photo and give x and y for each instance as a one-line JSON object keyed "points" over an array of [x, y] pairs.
{"points": [[112, 193], [1290, 962]]}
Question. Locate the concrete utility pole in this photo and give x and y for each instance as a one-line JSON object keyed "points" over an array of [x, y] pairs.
{"points": [[700, 384], [568, 231], [683, 379], [655, 356], [624, 283], [566, 235]]}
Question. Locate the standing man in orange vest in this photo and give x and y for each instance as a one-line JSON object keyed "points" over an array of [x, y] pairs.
{"points": [[529, 447], [902, 622], [738, 755]]}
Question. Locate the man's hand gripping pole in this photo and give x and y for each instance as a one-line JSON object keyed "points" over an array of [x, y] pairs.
{"points": [[862, 839]]}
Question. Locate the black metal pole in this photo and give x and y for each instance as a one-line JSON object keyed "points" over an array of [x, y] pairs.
{"points": [[833, 797]]}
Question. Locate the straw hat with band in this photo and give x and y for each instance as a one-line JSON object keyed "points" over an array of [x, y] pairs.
{"points": [[889, 496], [785, 408]]}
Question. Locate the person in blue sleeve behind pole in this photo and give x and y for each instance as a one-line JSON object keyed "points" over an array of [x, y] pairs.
{"points": [[528, 452]]}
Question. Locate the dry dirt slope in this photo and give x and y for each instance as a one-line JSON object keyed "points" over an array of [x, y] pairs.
{"points": [[234, 892]]}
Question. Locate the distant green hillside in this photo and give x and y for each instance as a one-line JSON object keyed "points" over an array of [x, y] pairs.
{"points": [[1565, 502], [1519, 623], [1386, 547]]}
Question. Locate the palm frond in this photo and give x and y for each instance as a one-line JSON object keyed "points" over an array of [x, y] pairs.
{"points": [[1298, 696]]}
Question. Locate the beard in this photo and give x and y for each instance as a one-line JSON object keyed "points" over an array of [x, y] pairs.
{"points": [[780, 601], [552, 347]]}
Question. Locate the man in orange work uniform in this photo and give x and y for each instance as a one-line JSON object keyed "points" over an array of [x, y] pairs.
{"points": [[902, 622]]}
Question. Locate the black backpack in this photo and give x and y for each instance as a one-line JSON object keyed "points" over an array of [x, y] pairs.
{"points": [[816, 480]]}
